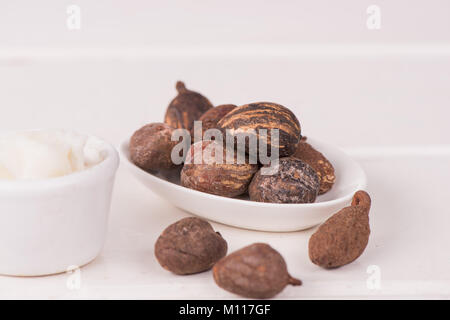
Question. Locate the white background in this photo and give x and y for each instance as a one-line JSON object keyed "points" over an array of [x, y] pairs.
{"points": [[382, 95]]}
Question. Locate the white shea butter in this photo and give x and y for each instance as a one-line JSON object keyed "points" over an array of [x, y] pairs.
{"points": [[46, 154]]}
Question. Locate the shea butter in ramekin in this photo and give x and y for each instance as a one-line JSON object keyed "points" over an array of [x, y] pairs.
{"points": [[46, 154], [55, 196]]}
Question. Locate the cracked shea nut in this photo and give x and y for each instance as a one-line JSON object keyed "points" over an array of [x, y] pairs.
{"points": [[293, 181], [249, 119], [343, 237], [185, 108], [212, 174], [189, 246], [256, 271], [211, 117], [151, 147], [318, 162]]}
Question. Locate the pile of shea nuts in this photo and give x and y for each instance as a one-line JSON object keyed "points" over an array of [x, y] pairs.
{"points": [[191, 245], [302, 173]]}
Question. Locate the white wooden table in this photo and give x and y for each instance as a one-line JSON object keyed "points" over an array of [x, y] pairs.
{"points": [[407, 255], [389, 111]]}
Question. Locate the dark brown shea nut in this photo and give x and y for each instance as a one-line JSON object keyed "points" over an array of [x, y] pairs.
{"points": [[185, 108], [256, 271], [189, 246], [344, 236], [293, 182], [318, 162], [264, 115], [151, 147], [211, 117], [213, 174]]}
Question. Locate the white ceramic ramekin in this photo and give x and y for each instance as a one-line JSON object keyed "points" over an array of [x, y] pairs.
{"points": [[50, 225]]}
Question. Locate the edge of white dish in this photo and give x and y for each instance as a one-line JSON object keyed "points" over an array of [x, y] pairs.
{"points": [[288, 217]]}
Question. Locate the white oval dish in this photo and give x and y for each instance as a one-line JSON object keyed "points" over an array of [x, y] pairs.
{"points": [[51, 225], [247, 214]]}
